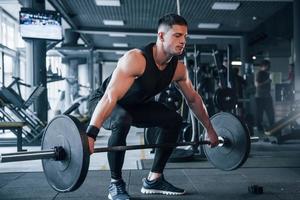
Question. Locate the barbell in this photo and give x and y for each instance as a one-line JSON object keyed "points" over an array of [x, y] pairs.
{"points": [[65, 151]]}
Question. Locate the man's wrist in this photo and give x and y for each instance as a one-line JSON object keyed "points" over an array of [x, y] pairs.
{"points": [[209, 127], [92, 131]]}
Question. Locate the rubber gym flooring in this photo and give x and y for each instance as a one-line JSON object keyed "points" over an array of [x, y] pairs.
{"points": [[274, 167]]}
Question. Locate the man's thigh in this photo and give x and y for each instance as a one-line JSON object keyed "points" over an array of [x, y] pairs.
{"points": [[152, 114]]}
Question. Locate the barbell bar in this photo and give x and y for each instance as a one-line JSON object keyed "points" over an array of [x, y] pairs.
{"points": [[65, 151], [58, 153], [23, 156]]}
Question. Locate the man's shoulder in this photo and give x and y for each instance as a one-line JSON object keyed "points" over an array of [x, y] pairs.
{"points": [[134, 52], [135, 55], [133, 61]]}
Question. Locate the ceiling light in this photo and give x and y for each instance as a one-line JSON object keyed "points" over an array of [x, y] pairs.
{"points": [[225, 5], [200, 37], [236, 63], [108, 2], [120, 44], [120, 52], [113, 22], [117, 35], [209, 25]]}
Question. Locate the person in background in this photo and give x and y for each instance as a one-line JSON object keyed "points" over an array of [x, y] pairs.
{"points": [[240, 84], [264, 101]]}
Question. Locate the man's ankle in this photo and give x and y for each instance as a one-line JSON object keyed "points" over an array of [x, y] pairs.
{"points": [[112, 180], [153, 176]]}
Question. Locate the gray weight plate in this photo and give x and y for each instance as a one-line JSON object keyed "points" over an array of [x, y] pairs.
{"points": [[66, 175], [233, 154]]}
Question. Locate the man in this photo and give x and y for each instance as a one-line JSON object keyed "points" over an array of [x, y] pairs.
{"points": [[264, 101], [126, 100]]}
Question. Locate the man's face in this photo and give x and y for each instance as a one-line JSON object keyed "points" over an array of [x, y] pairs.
{"points": [[174, 39], [263, 67]]}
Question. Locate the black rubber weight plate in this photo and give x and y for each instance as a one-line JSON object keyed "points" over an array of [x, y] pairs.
{"points": [[234, 154], [69, 174]]}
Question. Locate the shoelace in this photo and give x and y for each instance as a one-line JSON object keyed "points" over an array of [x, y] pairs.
{"points": [[121, 188]]}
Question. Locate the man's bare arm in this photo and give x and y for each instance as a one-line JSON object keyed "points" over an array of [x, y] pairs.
{"points": [[194, 101], [129, 67]]}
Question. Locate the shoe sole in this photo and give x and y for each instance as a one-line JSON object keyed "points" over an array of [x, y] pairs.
{"points": [[110, 198], [152, 191]]}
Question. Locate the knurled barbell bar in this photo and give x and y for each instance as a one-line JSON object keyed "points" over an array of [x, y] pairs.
{"points": [[65, 152], [58, 153]]}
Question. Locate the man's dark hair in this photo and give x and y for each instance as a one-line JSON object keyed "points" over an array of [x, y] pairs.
{"points": [[265, 63], [172, 19]]}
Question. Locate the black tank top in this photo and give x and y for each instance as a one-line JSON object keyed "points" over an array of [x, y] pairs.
{"points": [[150, 83]]}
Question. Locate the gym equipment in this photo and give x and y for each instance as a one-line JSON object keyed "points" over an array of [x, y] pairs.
{"points": [[151, 135], [229, 128], [194, 69], [225, 99], [282, 123], [17, 128], [186, 132], [65, 152], [71, 148], [255, 189], [171, 97], [18, 110], [284, 92], [275, 133]]}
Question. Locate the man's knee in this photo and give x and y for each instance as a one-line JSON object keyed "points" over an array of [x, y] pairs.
{"points": [[122, 120], [120, 126]]}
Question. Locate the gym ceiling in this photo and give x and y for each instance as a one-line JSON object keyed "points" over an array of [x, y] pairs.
{"points": [[265, 23]]}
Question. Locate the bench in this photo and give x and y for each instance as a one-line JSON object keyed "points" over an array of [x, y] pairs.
{"points": [[14, 126]]}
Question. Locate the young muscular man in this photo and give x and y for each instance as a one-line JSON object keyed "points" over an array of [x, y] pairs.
{"points": [[126, 99]]}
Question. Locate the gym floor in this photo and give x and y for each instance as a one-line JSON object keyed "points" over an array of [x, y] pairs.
{"points": [[274, 167]]}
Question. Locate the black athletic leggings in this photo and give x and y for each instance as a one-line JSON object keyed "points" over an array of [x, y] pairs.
{"points": [[151, 114]]}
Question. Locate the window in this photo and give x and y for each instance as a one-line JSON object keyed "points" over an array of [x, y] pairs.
{"points": [[8, 32], [8, 69]]}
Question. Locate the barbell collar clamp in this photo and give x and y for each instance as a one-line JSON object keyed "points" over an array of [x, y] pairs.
{"points": [[60, 153]]}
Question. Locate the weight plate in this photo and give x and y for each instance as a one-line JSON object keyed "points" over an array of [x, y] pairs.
{"points": [[172, 98], [66, 175], [233, 153], [151, 135], [225, 99], [186, 132]]}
